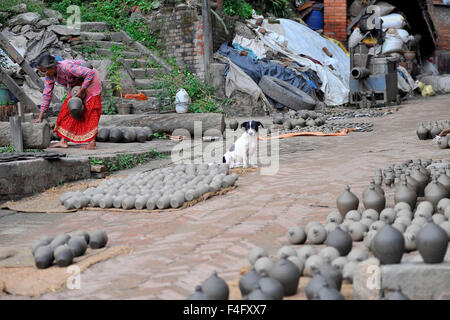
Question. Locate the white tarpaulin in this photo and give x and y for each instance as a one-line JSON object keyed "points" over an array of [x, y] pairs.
{"points": [[300, 39], [255, 45]]}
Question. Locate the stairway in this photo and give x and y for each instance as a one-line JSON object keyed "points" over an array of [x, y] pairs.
{"points": [[96, 45]]}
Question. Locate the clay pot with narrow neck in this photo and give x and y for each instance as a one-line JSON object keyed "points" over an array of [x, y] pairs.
{"points": [[435, 130], [215, 287], [421, 178], [443, 142], [317, 282], [199, 294], [432, 242], [271, 287], [347, 201], [413, 182], [288, 274], [248, 281], [445, 181], [422, 132], [374, 200], [434, 192], [377, 189], [405, 194], [388, 245]]}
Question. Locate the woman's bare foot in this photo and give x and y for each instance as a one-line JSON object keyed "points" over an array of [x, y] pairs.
{"points": [[90, 146], [60, 144]]}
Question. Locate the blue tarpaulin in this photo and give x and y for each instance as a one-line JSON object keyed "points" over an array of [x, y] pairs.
{"points": [[256, 69]]}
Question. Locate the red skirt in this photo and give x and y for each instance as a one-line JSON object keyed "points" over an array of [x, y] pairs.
{"points": [[84, 129]]}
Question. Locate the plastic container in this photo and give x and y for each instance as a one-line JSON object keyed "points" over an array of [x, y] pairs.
{"points": [[315, 20], [4, 96]]}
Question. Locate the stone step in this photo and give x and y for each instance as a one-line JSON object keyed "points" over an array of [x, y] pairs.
{"points": [[144, 83], [145, 72], [96, 36], [93, 26], [105, 44], [150, 92], [127, 54], [140, 62]]}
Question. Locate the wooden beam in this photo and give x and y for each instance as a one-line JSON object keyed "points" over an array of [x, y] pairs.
{"points": [[207, 38], [16, 90], [16, 132]]}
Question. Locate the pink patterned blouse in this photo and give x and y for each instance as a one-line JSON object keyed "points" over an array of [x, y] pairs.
{"points": [[69, 73]]}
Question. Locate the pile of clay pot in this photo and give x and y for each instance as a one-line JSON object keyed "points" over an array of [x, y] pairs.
{"points": [[312, 121], [163, 188], [124, 134], [62, 249], [359, 113], [432, 131]]}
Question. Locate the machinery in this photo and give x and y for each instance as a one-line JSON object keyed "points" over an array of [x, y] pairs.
{"points": [[373, 79]]}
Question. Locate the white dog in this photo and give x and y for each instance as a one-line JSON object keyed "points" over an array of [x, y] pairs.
{"points": [[244, 147]]}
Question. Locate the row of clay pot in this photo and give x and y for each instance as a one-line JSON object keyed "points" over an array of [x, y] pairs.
{"points": [[64, 248], [161, 188], [124, 134], [431, 130]]}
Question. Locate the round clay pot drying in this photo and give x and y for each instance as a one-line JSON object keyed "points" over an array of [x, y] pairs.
{"points": [[78, 245], [422, 132], [296, 235], [215, 287], [248, 281], [316, 283], [256, 253], [106, 202], [405, 194], [432, 243], [115, 135], [98, 239], [63, 255], [435, 192], [270, 287], [129, 135], [83, 234], [103, 135], [287, 274], [141, 135], [128, 202], [340, 240], [328, 293], [59, 240], [374, 200], [43, 257], [327, 271], [347, 201], [199, 294]]}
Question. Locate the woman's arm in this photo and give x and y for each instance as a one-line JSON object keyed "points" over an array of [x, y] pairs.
{"points": [[445, 132], [47, 96]]}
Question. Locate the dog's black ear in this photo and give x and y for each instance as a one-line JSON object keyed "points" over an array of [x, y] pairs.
{"points": [[244, 125], [259, 124]]}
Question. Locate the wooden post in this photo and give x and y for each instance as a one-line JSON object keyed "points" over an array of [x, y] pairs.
{"points": [[16, 132], [207, 38], [17, 91]]}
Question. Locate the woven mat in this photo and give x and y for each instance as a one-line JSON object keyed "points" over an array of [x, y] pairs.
{"points": [[17, 277], [235, 293], [48, 201]]}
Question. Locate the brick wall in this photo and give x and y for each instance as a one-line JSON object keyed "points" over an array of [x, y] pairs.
{"points": [[335, 16], [440, 15], [180, 32]]}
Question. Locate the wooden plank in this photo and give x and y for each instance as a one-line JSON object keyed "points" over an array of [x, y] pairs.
{"points": [[16, 132], [10, 50], [207, 38], [33, 75], [17, 91]]}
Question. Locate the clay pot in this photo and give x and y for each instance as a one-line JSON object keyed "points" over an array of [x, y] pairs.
{"points": [[358, 254], [445, 181], [199, 294], [163, 202], [316, 283], [115, 135], [296, 235], [410, 241], [327, 271], [83, 234], [347, 201], [65, 196], [368, 237], [435, 130], [446, 226], [278, 119], [413, 228], [106, 202], [234, 124], [256, 253], [190, 195], [317, 234], [248, 281], [128, 202], [299, 263], [339, 263], [443, 142], [103, 135], [349, 271], [129, 135], [388, 245], [310, 123], [63, 255], [432, 243], [287, 274], [312, 265], [78, 245], [141, 202], [263, 264], [271, 287], [387, 215], [311, 224], [76, 107], [334, 217], [405, 194], [399, 226], [330, 227], [328, 293], [141, 135], [377, 188], [98, 239], [398, 295], [422, 132], [285, 252], [371, 214], [37, 245], [215, 287], [424, 209], [435, 192], [329, 254], [374, 200], [353, 215], [177, 200], [287, 125], [357, 230], [438, 218], [442, 205], [257, 294], [305, 252], [59, 241], [43, 257]]}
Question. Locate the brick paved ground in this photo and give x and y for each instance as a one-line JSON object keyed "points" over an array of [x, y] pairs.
{"points": [[175, 251]]}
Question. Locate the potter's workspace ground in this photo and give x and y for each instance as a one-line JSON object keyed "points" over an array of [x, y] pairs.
{"points": [[175, 251]]}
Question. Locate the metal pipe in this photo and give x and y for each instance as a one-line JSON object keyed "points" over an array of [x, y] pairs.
{"points": [[360, 73]]}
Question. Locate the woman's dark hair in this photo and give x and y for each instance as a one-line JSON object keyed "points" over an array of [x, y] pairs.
{"points": [[46, 61]]}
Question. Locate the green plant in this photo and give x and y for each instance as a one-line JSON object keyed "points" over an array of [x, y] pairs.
{"points": [[89, 50], [160, 136], [7, 149], [111, 166], [125, 161], [95, 161], [237, 8], [156, 154]]}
